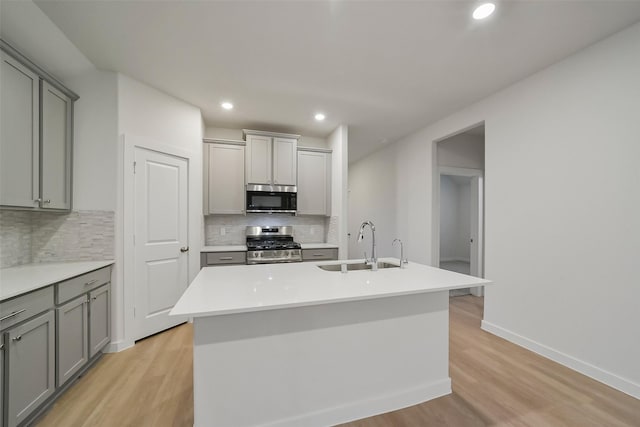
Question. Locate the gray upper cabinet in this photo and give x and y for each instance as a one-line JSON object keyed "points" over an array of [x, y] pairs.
{"points": [[36, 129], [258, 159], [284, 161], [314, 182], [19, 134], [30, 368], [224, 163], [56, 149], [270, 158]]}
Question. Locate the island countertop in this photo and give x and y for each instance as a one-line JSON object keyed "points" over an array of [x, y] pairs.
{"points": [[249, 288]]}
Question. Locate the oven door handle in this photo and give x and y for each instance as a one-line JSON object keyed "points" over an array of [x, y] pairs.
{"points": [[271, 211]]}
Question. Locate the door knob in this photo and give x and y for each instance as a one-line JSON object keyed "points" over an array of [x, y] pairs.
{"points": [[184, 249]]}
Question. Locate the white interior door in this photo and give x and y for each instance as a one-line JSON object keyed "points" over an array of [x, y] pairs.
{"points": [[160, 238]]}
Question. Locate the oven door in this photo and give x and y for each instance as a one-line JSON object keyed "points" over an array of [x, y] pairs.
{"points": [[260, 201]]}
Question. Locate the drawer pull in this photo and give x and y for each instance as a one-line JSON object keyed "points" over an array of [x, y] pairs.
{"points": [[91, 282], [318, 254], [18, 338], [225, 258], [15, 313]]}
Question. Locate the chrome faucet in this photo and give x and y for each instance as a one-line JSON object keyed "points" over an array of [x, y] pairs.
{"points": [[373, 262], [403, 260]]}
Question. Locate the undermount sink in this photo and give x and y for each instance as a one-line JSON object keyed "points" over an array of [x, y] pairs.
{"points": [[357, 266]]}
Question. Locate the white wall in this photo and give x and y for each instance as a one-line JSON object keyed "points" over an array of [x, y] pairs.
{"points": [[463, 228], [462, 151], [146, 112], [367, 182], [338, 142], [228, 133], [561, 246], [95, 140], [448, 218], [455, 218]]}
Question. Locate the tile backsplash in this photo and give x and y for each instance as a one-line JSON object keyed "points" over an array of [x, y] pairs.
{"points": [[43, 236], [306, 229]]}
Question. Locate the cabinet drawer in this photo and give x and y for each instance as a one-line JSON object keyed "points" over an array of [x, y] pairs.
{"points": [[25, 306], [221, 258], [319, 254], [73, 287]]}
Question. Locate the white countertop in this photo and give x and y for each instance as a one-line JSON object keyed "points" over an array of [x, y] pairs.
{"points": [[248, 288], [318, 246], [225, 248], [25, 278]]}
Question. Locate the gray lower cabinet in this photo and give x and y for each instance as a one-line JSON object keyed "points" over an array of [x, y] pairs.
{"points": [[30, 366], [2, 420], [50, 336], [324, 254], [99, 319], [208, 259], [73, 337]]}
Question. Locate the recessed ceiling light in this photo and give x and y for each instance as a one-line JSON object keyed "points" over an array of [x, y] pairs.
{"points": [[319, 117], [484, 10], [227, 105]]}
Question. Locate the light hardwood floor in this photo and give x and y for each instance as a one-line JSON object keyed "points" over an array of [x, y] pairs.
{"points": [[495, 383]]}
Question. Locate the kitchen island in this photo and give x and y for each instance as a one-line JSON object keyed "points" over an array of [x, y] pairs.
{"points": [[294, 344]]}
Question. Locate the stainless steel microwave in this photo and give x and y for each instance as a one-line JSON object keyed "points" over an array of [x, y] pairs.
{"points": [[271, 199]]}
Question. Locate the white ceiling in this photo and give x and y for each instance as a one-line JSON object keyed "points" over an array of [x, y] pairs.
{"points": [[385, 69]]}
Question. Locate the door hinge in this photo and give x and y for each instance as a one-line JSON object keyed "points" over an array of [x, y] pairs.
{"points": [[134, 167]]}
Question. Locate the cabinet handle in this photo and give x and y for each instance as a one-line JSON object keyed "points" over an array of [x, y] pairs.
{"points": [[94, 298], [15, 313], [318, 254], [46, 201], [1, 346], [184, 249], [91, 282], [18, 338], [37, 200], [225, 258]]}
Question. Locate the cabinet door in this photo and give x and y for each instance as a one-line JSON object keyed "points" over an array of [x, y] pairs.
{"points": [[99, 319], [56, 149], [226, 190], [19, 135], [314, 184], [73, 338], [30, 368], [258, 160], [284, 161]]}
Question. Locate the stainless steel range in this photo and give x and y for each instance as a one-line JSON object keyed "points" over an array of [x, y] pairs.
{"points": [[269, 244]]}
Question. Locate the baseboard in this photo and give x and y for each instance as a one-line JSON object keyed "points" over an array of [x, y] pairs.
{"points": [[367, 408], [118, 346], [598, 374]]}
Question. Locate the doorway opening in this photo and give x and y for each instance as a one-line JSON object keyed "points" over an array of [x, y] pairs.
{"points": [[459, 205]]}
